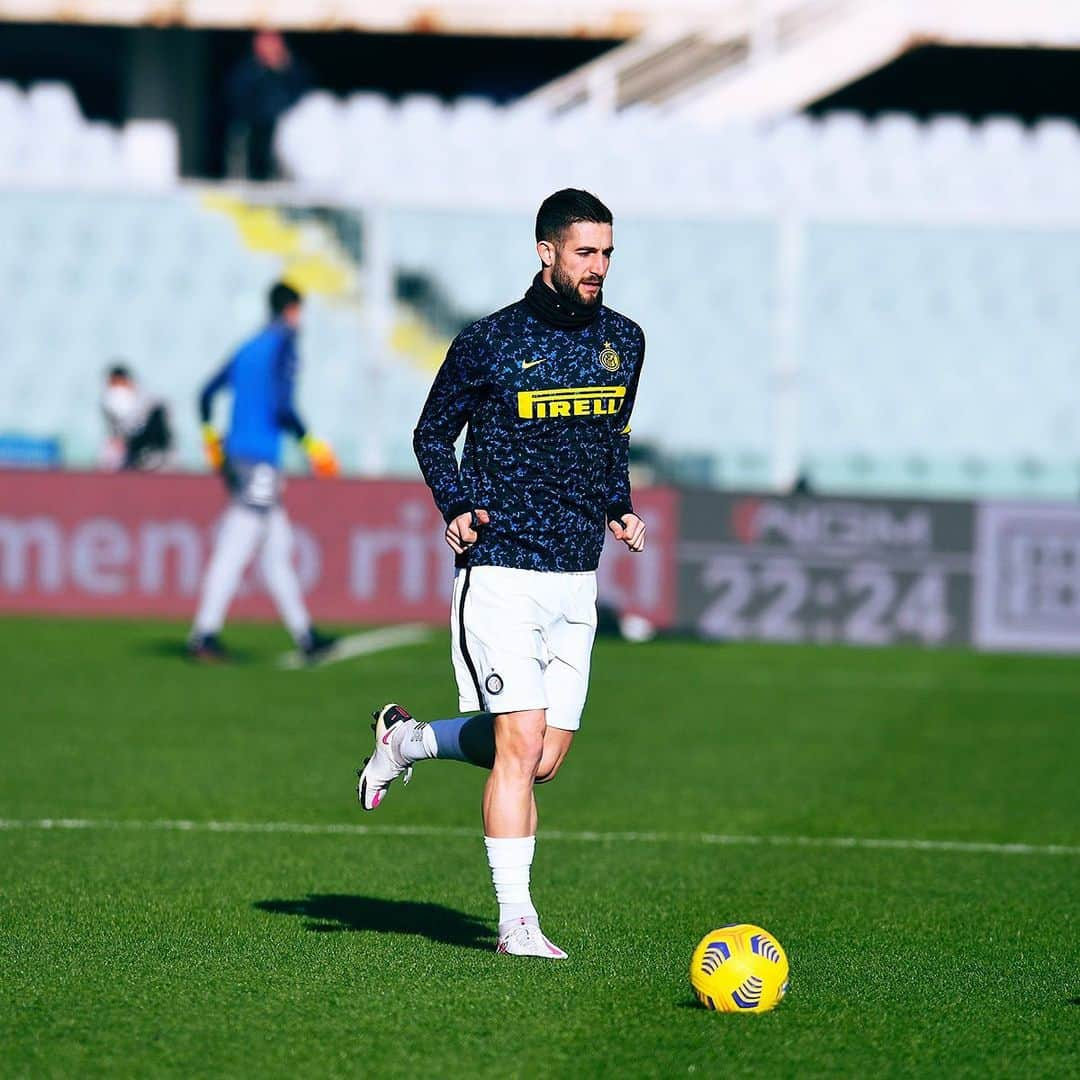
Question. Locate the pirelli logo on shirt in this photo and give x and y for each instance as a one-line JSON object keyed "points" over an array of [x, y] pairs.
{"points": [[575, 401]]}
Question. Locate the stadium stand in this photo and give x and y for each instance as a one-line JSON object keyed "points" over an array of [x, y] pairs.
{"points": [[44, 140], [880, 305], [169, 283], [473, 153], [936, 265]]}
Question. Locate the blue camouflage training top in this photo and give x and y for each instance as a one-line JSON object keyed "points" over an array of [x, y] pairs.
{"points": [[546, 454]]}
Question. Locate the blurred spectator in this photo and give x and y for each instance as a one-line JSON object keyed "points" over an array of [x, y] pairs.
{"points": [[140, 436], [261, 87]]}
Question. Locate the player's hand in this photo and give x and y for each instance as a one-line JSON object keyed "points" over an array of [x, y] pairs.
{"points": [[212, 448], [462, 533], [630, 529], [323, 460]]}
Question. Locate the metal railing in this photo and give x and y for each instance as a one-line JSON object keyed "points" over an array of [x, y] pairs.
{"points": [[675, 56], [805, 45]]}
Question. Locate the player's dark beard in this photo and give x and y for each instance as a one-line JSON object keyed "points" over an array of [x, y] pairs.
{"points": [[566, 288], [558, 307]]}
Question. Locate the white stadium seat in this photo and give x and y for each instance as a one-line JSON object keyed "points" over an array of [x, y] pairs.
{"points": [[53, 107], [44, 140]]}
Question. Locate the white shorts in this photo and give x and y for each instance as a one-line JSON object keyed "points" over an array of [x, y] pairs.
{"points": [[522, 639], [257, 484]]}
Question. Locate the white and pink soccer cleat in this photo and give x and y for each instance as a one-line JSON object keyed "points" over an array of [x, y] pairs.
{"points": [[386, 764], [523, 937]]}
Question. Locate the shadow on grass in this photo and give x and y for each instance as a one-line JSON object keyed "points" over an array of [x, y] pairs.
{"points": [[176, 649], [334, 913]]}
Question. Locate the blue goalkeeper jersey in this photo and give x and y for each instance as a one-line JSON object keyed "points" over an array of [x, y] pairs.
{"points": [[262, 377], [548, 413]]}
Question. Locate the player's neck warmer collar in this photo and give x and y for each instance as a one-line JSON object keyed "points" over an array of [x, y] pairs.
{"points": [[558, 311]]}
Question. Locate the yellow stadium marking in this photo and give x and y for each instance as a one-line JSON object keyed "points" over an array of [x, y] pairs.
{"points": [[313, 261]]}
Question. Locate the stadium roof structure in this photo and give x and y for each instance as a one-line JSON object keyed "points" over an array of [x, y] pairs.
{"points": [[773, 22], [757, 58], [611, 19], [708, 61]]}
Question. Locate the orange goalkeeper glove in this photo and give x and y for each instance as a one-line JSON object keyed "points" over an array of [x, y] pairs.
{"points": [[321, 456], [212, 448]]}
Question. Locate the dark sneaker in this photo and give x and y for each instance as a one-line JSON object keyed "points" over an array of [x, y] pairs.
{"points": [[316, 646], [207, 649]]}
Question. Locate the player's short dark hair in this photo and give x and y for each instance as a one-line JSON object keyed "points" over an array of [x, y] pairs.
{"points": [[559, 211], [119, 371], [283, 296]]}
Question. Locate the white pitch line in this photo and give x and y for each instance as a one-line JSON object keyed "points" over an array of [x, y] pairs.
{"points": [[364, 644], [851, 680], [350, 829]]}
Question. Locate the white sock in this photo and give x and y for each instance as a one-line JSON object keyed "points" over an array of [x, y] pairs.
{"points": [[417, 744], [510, 861], [239, 535], [280, 576]]}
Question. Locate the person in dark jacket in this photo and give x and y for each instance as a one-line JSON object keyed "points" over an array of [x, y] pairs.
{"points": [[261, 88], [545, 388]]}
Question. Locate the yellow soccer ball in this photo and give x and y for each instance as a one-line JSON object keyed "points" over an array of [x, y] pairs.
{"points": [[739, 968]]}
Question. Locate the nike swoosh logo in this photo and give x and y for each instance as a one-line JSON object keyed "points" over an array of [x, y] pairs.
{"points": [[526, 364]]}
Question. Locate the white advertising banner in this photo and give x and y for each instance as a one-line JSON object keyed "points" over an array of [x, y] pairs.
{"points": [[1027, 577]]}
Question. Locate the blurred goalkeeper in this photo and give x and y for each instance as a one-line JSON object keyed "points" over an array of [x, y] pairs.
{"points": [[261, 375]]}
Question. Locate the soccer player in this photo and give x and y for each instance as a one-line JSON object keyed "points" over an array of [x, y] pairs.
{"points": [[546, 387], [261, 375]]}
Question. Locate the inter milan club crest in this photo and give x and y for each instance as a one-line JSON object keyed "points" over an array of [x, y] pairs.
{"points": [[493, 683], [609, 358]]}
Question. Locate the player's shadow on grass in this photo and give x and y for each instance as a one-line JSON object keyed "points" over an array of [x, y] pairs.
{"points": [[176, 649], [334, 913]]}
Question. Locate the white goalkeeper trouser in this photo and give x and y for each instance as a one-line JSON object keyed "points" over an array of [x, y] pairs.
{"points": [[243, 531]]}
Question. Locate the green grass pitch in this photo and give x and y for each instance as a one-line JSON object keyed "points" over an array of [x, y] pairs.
{"points": [[136, 951]]}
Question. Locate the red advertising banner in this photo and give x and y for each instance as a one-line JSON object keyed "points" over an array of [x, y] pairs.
{"points": [[366, 550]]}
